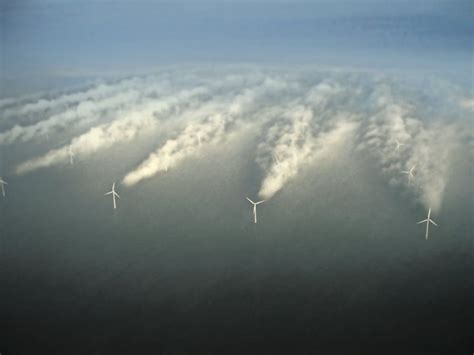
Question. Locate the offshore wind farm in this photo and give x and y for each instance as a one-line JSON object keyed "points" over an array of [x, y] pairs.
{"points": [[232, 187]]}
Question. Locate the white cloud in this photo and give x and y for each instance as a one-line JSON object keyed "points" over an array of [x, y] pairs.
{"points": [[128, 125], [292, 146], [294, 140], [427, 146], [207, 127], [187, 144], [298, 116], [432, 153]]}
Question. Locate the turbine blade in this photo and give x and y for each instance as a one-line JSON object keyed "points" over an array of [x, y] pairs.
{"points": [[423, 221], [250, 200], [259, 202], [108, 193], [432, 222], [116, 194]]}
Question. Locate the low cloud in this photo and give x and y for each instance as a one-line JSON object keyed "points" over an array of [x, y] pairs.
{"points": [[400, 141], [187, 144], [294, 150], [125, 128], [310, 126], [432, 153], [207, 128], [298, 116]]}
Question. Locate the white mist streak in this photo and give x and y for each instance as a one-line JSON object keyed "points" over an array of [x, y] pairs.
{"points": [[103, 101], [293, 141], [296, 148], [187, 144], [125, 128], [300, 114], [184, 105], [95, 93], [286, 146], [432, 152], [209, 130], [428, 147], [86, 110]]}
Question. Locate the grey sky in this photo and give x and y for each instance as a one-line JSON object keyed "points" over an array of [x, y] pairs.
{"points": [[55, 37]]}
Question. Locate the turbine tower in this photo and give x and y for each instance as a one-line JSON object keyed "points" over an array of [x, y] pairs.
{"points": [[428, 220], [3, 183], [255, 209], [114, 195]]}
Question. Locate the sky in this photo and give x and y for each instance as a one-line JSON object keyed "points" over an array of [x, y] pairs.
{"points": [[317, 108], [54, 40]]}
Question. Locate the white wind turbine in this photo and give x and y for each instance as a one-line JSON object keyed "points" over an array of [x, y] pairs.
{"points": [[114, 194], [409, 173], [428, 220], [397, 142], [3, 183], [255, 208]]}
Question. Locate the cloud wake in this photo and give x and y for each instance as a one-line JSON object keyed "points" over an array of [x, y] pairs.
{"points": [[297, 117]]}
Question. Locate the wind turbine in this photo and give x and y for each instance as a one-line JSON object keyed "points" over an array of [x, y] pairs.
{"points": [[114, 194], [428, 220], [255, 209], [397, 142], [3, 183], [71, 155], [409, 173]]}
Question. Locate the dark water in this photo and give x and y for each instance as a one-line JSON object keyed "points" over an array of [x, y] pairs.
{"points": [[336, 265]]}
